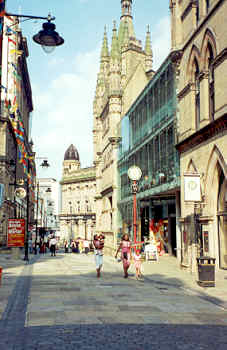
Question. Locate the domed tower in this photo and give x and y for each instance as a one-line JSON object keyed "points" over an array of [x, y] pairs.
{"points": [[71, 160]]}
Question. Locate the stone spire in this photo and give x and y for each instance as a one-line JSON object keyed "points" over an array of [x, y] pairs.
{"points": [[125, 41], [115, 52], [126, 16], [148, 51], [105, 50], [105, 57], [115, 64], [126, 8]]}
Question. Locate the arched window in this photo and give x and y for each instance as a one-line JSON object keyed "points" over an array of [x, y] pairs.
{"points": [[210, 58], [197, 93]]}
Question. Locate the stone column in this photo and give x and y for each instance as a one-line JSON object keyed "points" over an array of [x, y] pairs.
{"points": [[89, 233], [81, 229]]}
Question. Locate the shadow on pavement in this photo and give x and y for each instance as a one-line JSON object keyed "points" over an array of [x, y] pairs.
{"points": [[7, 261], [120, 337], [54, 298]]}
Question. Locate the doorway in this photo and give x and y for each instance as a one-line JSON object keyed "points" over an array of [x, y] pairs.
{"points": [[222, 221], [172, 236], [144, 223]]}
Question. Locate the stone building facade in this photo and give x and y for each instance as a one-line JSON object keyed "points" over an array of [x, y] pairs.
{"points": [[78, 189], [199, 34], [16, 156], [124, 71]]}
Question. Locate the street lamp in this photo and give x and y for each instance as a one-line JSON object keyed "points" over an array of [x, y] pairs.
{"points": [[48, 38], [134, 174]]}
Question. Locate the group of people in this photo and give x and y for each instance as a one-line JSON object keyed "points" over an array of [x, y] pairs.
{"points": [[42, 245], [126, 254], [77, 246]]}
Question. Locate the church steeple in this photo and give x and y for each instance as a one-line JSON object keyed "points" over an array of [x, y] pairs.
{"points": [[148, 51], [115, 64], [126, 16], [126, 8], [115, 52], [105, 50]]}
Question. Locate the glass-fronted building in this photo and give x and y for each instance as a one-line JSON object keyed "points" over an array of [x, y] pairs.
{"points": [[148, 133]]}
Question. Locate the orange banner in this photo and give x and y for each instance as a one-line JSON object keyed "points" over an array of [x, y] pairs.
{"points": [[16, 232]]}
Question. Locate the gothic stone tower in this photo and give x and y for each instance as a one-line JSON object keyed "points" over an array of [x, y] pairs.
{"points": [[124, 72]]}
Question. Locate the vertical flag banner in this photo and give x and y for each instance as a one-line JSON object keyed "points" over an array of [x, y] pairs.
{"points": [[2, 12]]}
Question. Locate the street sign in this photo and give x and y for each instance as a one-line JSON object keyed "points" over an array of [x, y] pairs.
{"points": [[16, 232]]}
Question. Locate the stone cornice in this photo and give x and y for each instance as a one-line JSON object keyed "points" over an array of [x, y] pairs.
{"points": [[220, 58], [187, 10], [114, 140], [184, 91], [214, 128], [107, 191]]}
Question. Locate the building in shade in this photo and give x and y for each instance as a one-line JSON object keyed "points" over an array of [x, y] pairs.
{"points": [[78, 189], [16, 106], [199, 32]]}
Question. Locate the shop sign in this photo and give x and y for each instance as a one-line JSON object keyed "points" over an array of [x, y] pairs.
{"points": [[16, 232], [192, 191]]}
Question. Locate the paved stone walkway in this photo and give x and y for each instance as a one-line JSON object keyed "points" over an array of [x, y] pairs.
{"points": [[58, 303]]}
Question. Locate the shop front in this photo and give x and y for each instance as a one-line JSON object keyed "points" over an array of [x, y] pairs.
{"points": [[158, 224]]}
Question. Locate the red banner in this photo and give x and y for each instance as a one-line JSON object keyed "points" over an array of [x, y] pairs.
{"points": [[16, 232]]}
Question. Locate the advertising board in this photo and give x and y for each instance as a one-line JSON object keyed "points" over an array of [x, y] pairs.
{"points": [[16, 232]]}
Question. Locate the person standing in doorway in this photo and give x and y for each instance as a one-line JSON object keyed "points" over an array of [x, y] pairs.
{"points": [[125, 247], [98, 243], [53, 243]]}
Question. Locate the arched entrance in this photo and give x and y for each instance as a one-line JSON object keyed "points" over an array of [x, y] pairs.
{"points": [[222, 220]]}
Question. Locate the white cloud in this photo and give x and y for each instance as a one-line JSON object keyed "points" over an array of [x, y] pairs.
{"points": [[161, 41], [63, 113]]}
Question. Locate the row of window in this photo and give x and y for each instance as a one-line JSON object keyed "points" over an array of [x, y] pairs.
{"points": [[147, 114], [159, 156]]}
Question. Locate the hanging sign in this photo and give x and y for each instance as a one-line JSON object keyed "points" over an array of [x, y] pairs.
{"points": [[16, 232], [192, 190]]}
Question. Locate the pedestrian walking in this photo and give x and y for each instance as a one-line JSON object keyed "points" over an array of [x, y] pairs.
{"points": [[52, 244], [66, 245], [86, 246], [98, 243], [30, 245], [137, 263], [77, 243], [125, 247], [80, 246]]}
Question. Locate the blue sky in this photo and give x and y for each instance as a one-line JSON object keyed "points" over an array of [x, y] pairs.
{"points": [[64, 81]]}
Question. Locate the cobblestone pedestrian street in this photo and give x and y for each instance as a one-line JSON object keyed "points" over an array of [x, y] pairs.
{"points": [[58, 303]]}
